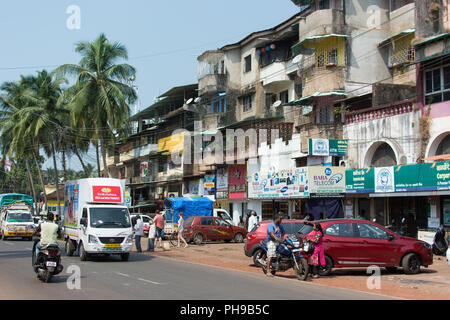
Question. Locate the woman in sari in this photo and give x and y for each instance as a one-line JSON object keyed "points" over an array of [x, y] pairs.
{"points": [[318, 257]]}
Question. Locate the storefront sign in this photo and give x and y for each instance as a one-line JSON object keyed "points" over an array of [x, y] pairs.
{"points": [[108, 194], [326, 180], [289, 184], [384, 179], [443, 175], [360, 181], [209, 182], [325, 147], [236, 181]]}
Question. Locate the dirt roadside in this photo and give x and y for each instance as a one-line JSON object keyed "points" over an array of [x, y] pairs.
{"points": [[431, 283]]}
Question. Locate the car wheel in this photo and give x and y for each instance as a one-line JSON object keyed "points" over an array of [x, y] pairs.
{"points": [[256, 256], [198, 239], [411, 264], [326, 270], [83, 253], [238, 238]]}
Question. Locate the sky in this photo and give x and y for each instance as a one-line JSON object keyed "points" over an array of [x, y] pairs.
{"points": [[163, 38]]}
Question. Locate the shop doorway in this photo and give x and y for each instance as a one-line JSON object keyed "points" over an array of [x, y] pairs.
{"points": [[364, 208]]}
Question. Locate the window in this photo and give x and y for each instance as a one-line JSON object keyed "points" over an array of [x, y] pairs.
{"points": [[333, 56], [340, 230], [370, 231], [221, 223], [324, 4], [284, 96], [437, 85], [325, 115], [271, 98], [321, 60], [218, 106], [247, 103], [206, 222], [248, 63]]}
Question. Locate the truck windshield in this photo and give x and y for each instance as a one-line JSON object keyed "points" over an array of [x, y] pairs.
{"points": [[19, 217], [109, 218], [224, 215]]}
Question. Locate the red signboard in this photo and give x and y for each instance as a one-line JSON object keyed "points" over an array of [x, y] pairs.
{"points": [[106, 194], [237, 178]]}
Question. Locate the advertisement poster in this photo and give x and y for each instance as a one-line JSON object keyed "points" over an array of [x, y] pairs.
{"points": [[106, 194], [289, 183], [237, 178], [144, 169], [384, 179], [209, 184], [127, 197], [194, 187], [222, 183], [326, 180], [71, 193]]}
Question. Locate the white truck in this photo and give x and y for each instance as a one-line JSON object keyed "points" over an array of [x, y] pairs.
{"points": [[16, 221], [96, 220]]}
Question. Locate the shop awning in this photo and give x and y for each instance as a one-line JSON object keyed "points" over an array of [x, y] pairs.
{"points": [[404, 32], [441, 36], [315, 95], [442, 157], [410, 194]]}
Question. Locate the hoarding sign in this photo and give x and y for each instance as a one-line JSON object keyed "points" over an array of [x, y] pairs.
{"points": [[384, 179], [360, 181], [236, 181], [326, 180], [222, 179], [419, 177], [144, 169], [443, 175], [325, 147], [107, 194]]}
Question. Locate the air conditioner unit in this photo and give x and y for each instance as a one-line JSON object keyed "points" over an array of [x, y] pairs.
{"points": [[343, 163]]}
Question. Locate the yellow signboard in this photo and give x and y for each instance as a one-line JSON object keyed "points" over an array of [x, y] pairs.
{"points": [[171, 143]]}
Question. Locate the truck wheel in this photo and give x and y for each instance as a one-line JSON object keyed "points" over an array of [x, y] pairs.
{"points": [[238, 238], [198, 238], [83, 253], [411, 264], [124, 256], [69, 248]]}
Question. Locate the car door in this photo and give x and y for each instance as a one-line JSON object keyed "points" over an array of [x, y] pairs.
{"points": [[376, 247], [340, 243], [206, 228], [224, 229]]}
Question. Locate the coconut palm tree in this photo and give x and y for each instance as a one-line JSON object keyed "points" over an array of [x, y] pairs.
{"points": [[101, 96]]}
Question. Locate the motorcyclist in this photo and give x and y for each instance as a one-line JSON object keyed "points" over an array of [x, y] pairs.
{"points": [[49, 231], [439, 240], [275, 234]]}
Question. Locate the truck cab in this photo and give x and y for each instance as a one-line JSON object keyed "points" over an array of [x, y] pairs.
{"points": [[16, 221], [222, 213]]}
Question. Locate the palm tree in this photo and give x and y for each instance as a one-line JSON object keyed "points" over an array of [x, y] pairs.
{"points": [[101, 96]]}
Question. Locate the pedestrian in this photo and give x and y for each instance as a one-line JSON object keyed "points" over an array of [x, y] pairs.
{"points": [[236, 218], [317, 259], [252, 221], [159, 224], [138, 232], [275, 234], [181, 229], [151, 236]]}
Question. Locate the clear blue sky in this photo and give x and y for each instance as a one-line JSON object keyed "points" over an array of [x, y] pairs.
{"points": [[163, 38]]}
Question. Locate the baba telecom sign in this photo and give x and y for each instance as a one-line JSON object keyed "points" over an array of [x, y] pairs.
{"points": [[325, 147], [326, 180]]}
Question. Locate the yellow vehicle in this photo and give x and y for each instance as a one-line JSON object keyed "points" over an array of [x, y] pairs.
{"points": [[16, 221]]}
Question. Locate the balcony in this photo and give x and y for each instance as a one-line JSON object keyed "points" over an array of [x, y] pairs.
{"points": [[322, 22], [379, 113], [327, 79], [402, 16], [138, 152], [212, 83]]}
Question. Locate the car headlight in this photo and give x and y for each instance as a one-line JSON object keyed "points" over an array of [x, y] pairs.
{"points": [[29, 227], [424, 244], [93, 239], [129, 239]]}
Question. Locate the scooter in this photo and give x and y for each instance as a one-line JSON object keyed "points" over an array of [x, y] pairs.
{"points": [[288, 255], [48, 261], [440, 246]]}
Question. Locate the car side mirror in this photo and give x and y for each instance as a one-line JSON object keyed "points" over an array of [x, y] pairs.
{"points": [[83, 222], [391, 237]]}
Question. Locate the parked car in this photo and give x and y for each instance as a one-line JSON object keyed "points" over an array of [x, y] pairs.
{"points": [[252, 246], [360, 243], [199, 229], [146, 219]]}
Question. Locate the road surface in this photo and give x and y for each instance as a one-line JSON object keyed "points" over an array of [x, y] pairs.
{"points": [[151, 277]]}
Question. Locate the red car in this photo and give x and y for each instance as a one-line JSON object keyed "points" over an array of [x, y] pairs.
{"points": [[252, 247], [200, 229], [362, 243]]}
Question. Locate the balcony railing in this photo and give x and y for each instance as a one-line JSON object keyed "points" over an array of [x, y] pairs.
{"points": [[379, 113]]}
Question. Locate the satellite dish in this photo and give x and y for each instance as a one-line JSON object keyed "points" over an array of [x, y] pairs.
{"points": [[277, 103], [197, 100], [190, 101], [297, 59]]}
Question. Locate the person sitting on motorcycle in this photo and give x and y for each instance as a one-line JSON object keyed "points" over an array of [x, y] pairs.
{"points": [[318, 257], [49, 231], [275, 234]]}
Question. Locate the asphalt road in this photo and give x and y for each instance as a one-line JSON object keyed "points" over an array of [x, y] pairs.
{"points": [[151, 277]]}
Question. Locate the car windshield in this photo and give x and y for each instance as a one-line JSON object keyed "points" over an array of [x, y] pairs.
{"points": [[224, 215], [19, 217], [305, 229], [109, 218]]}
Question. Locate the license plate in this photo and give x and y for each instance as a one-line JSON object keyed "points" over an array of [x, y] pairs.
{"points": [[51, 264], [110, 246], [21, 229]]}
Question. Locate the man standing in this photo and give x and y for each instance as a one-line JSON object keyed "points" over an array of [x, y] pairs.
{"points": [[138, 232], [275, 234], [252, 221], [159, 224]]}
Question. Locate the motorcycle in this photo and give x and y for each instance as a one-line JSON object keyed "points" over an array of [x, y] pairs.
{"points": [[288, 255], [439, 246], [402, 231], [48, 261]]}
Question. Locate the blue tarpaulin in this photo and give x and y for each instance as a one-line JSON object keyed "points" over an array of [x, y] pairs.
{"points": [[190, 206]]}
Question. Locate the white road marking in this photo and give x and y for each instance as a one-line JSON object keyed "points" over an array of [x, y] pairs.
{"points": [[9, 243], [123, 274], [145, 280], [29, 248]]}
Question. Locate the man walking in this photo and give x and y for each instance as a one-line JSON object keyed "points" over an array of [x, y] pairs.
{"points": [[275, 234], [138, 232], [252, 221]]}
